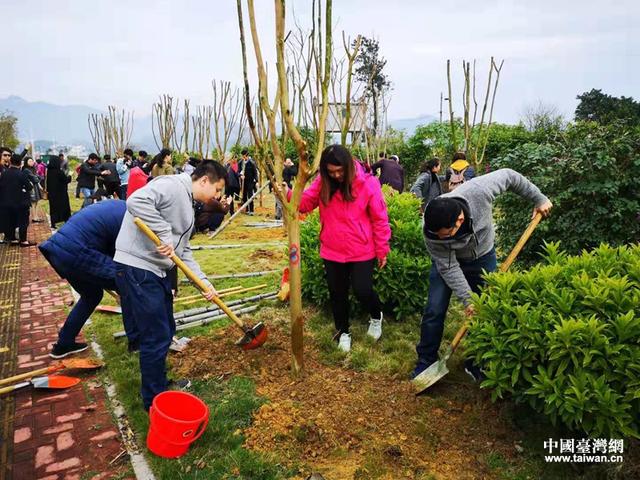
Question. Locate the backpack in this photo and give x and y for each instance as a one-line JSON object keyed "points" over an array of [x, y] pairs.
{"points": [[456, 179]]}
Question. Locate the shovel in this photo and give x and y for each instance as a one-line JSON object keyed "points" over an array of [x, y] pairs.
{"points": [[51, 381], [70, 363], [253, 336], [439, 369], [184, 300]]}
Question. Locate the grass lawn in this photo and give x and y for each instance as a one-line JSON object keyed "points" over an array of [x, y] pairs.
{"points": [[233, 400]]}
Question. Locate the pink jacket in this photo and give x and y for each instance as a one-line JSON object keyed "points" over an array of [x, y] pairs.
{"points": [[351, 231]]}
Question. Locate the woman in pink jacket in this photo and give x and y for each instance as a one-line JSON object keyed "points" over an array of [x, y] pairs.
{"points": [[354, 236]]}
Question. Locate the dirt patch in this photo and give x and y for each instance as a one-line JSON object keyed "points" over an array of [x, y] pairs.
{"points": [[263, 253], [258, 235], [348, 424]]}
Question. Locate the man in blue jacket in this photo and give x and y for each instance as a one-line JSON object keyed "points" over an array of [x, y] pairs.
{"points": [[81, 252]]}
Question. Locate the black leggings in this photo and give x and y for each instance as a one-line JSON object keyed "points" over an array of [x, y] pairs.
{"points": [[359, 275]]}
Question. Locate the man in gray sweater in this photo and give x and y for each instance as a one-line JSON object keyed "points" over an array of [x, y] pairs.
{"points": [[166, 206], [459, 235]]}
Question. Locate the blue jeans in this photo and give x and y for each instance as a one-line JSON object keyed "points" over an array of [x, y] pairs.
{"points": [[147, 297], [86, 193], [435, 311], [123, 192], [90, 289]]}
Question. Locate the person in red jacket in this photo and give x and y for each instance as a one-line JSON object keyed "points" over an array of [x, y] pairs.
{"points": [[354, 236]]}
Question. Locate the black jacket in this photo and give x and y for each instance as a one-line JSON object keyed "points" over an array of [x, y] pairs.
{"points": [[57, 183], [250, 173], [233, 182], [289, 173], [391, 173], [87, 175], [15, 188], [113, 176]]}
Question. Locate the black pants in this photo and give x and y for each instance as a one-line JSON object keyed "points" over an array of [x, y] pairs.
{"points": [[16, 216], [249, 190], [341, 276], [112, 189], [233, 193]]}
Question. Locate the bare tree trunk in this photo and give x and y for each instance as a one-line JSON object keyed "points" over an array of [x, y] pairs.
{"points": [[164, 120], [273, 165], [351, 58], [95, 129], [484, 110], [493, 100], [119, 127], [467, 103], [454, 143]]}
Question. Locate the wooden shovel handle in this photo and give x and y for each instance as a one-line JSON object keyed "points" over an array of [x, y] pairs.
{"points": [[33, 373], [11, 388], [115, 296], [521, 243], [503, 268], [459, 334], [188, 272]]}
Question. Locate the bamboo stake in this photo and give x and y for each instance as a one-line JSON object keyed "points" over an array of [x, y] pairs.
{"points": [[184, 315], [210, 308], [210, 313], [238, 275], [236, 245], [227, 294], [200, 323], [199, 296], [230, 219]]}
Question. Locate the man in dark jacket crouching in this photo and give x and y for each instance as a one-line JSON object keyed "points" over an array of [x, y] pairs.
{"points": [[81, 252]]}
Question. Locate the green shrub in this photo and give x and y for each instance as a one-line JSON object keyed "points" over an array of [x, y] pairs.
{"points": [[565, 338], [402, 284], [590, 173]]}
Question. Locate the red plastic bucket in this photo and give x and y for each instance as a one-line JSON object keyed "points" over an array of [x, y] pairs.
{"points": [[176, 420]]}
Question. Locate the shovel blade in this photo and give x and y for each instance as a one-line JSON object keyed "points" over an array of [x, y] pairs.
{"points": [[430, 376], [80, 363], [254, 337], [54, 381], [109, 309]]}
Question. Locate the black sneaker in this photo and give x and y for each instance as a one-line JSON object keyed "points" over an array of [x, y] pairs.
{"points": [[61, 351], [133, 347], [180, 384], [473, 371]]}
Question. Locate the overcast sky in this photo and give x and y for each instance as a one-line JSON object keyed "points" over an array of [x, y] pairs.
{"points": [[102, 52]]}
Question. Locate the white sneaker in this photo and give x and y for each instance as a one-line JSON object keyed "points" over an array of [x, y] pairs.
{"points": [[344, 343], [375, 328]]}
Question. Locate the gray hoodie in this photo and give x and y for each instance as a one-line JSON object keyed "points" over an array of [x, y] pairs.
{"points": [[166, 205], [478, 195]]}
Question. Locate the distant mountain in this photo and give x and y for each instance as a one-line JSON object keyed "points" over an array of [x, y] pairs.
{"points": [[67, 124], [409, 125], [45, 121]]}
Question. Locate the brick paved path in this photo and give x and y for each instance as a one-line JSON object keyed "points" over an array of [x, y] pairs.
{"points": [[54, 435]]}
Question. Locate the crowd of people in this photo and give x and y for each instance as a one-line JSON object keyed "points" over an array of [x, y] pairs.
{"points": [[101, 247]]}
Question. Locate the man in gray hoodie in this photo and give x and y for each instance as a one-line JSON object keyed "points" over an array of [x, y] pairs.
{"points": [[166, 206], [459, 235]]}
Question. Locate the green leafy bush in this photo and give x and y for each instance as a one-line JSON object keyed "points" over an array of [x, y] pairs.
{"points": [[402, 285], [590, 173], [565, 338]]}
